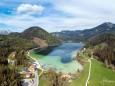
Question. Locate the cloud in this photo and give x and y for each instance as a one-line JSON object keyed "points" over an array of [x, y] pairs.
{"points": [[30, 9], [49, 23], [57, 15]]}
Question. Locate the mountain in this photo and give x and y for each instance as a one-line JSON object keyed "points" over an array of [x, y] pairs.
{"points": [[83, 35], [38, 35], [5, 32]]}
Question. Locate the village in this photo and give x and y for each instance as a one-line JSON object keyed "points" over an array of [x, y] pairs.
{"points": [[30, 75]]}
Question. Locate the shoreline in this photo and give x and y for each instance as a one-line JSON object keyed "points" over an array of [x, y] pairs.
{"points": [[60, 69], [69, 76]]}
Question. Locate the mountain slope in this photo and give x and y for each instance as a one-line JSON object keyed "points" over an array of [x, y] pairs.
{"points": [[108, 38], [83, 35], [103, 48], [38, 36]]}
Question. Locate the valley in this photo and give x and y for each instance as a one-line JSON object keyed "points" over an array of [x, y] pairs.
{"points": [[57, 42], [59, 62]]}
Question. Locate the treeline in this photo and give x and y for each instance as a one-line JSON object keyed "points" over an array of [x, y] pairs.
{"points": [[106, 55], [104, 48]]}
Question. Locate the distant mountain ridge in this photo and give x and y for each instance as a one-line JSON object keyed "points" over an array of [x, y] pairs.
{"points": [[38, 35], [5, 32], [83, 35]]}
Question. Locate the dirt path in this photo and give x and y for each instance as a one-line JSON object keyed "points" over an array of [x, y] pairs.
{"points": [[87, 81]]}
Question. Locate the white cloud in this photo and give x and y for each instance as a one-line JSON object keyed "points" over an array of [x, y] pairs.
{"points": [[62, 14], [30, 9], [50, 23]]}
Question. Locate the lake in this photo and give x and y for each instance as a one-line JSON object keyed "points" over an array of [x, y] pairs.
{"points": [[60, 58]]}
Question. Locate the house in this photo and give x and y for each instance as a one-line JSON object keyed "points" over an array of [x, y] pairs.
{"points": [[27, 75], [25, 70], [32, 68]]}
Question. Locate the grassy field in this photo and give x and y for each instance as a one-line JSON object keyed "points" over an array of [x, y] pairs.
{"points": [[43, 82], [100, 75], [82, 78]]}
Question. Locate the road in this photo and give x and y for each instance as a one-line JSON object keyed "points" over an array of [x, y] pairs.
{"points": [[36, 79], [33, 81]]}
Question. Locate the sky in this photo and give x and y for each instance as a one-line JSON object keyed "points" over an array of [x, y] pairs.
{"points": [[55, 15]]}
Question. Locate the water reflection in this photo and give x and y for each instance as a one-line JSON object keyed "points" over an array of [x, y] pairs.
{"points": [[65, 51]]}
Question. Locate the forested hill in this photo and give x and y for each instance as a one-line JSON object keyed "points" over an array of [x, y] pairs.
{"points": [[8, 45], [84, 35], [108, 38], [11, 44], [103, 47], [38, 35]]}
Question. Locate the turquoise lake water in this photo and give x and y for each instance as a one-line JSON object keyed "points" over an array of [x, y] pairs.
{"points": [[60, 58]]}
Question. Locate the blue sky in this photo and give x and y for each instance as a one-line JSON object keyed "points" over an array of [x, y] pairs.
{"points": [[55, 15]]}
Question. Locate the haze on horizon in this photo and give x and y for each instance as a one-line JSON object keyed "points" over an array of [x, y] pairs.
{"points": [[55, 15]]}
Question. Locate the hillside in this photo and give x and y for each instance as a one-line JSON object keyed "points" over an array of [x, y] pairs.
{"points": [[83, 35], [38, 35], [103, 47], [11, 44], [108, 38]]}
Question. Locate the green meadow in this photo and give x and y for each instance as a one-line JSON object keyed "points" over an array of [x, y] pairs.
{"points": [[100, 75], [82, 78]]}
